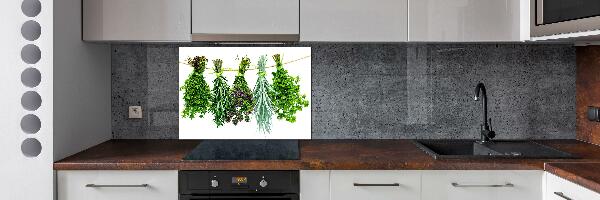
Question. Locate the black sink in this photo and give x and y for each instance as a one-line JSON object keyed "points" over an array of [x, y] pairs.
{"points": [[470, 149]]}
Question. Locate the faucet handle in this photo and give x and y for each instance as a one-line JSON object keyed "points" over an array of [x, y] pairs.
{"points": [[491, 133]]}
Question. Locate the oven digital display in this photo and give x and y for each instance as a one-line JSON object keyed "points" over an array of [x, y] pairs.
{"points": [[239, 180]]}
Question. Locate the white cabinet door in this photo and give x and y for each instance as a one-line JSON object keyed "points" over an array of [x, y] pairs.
{"points": [[117, 185], [219, 18], [482, 185], [375, 185], [560, 189], [314, 185], [354, 20], [468, 20], [136, 20]]}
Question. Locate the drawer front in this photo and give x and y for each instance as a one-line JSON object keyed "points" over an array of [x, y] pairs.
{"points": [[314, 184], [376, 185], [478, 185], [117, 185], [560, 189]]}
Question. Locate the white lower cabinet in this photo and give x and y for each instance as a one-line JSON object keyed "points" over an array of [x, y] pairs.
{"points": [[314, 184], [341, 185], [560, 189], [482, 185], [421, 185], [117, 185], [376, 185]]}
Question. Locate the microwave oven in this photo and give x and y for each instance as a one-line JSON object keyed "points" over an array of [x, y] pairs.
{"points": [[553, 17]]}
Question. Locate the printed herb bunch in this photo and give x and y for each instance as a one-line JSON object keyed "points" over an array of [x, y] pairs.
{"points": [[285, 95], [196, 92], [221, 99], [263, 108], [242, 102]]}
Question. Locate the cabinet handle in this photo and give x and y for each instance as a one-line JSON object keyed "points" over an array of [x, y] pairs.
{"points": [[562, 195], [493, 185], [115, 186], [376, 184]]}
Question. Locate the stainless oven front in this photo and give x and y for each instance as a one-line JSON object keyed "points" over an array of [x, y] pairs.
{"points": [[552, 17]]}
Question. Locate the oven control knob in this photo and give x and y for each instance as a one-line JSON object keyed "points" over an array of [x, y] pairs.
{"points": [[263, 183], [214, 183]]}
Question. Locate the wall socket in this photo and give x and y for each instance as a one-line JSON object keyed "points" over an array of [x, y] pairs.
{"points": [[135, 112], [593, 114]]}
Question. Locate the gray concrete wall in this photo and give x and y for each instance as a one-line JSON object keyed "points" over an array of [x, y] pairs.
{"points": [[376, 91]]}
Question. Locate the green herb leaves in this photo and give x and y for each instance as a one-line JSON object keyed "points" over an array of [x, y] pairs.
{"points": [[263, 110], [286, 93], [196, 92], [241, 94], [221, 99]]}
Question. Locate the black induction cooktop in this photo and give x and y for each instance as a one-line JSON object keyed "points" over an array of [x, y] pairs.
{"points": [[245, 150]]}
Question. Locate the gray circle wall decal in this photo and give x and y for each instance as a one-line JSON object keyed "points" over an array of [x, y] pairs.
{"points": [[31, 100], [31, 30], [31, 54], [31, 77], [30, 124], [31, 147], [31, 8]]}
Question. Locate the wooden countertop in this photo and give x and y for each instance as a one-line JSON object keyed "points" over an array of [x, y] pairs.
{"points": [[314, 155], [331, 155], [584, 174]]}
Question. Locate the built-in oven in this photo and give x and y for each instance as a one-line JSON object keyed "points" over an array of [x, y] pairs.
{"points": [[552, 17], [236, 185]]}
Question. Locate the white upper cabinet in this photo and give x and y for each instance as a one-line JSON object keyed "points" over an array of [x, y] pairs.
{"points": [[245, 20], [468, 20], [307, 20], [136, 20], [354, 20]]}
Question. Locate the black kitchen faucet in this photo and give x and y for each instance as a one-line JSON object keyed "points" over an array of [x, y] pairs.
{"points": [[487, 134]]}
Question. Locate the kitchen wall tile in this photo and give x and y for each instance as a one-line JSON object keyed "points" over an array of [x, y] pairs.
{"points": [[378, 91]]}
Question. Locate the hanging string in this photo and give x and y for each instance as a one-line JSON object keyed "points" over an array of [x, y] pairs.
{"points": [[254, 67]]}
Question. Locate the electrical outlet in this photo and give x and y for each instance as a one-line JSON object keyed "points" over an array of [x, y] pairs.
{"points": [[135, 112]]}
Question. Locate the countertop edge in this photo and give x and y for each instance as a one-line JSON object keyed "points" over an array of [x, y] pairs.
{"points": [[576, 178]]}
